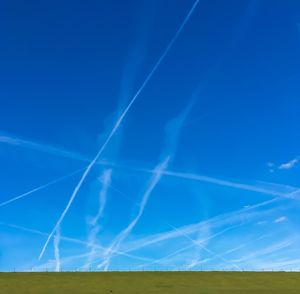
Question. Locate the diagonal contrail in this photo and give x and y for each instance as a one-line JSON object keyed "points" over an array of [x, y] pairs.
{"points": [[119, 239], [118, 123], [216, 221], [197, 243], [36, 146], [187, 247], [71, 240], [40, 188]]}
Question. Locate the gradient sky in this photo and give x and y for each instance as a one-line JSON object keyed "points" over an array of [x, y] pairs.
{"points": [[203, 171]]}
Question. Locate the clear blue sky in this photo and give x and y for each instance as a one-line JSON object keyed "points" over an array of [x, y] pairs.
{"points": [[203, 171]]}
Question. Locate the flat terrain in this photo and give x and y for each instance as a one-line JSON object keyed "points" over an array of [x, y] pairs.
{"points": [[150, 282]]}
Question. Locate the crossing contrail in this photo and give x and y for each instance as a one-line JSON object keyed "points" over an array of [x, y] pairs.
{"points": [[71, 240], [197, 243], [216, 221], [172, 135], [188, 247], [118, 123], [40, 188], [119, 239]]}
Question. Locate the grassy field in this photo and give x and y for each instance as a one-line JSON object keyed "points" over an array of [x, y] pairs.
{"points": [[150, 282]]}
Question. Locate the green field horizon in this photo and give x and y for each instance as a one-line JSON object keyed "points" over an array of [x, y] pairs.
{"points": [[150, 282]]}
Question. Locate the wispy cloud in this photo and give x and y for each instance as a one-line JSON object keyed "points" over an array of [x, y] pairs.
{"points": [[118, 123], [56, 241], [280, 219], [283, 166], [289, 165]]}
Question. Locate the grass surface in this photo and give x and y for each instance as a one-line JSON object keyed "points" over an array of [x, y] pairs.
{"points": [[150, 282]]}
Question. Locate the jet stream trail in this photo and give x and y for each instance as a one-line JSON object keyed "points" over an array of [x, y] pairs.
{"points": [[40, 188], [204, 247], [117, 124], [123, 235], [71, 240]]}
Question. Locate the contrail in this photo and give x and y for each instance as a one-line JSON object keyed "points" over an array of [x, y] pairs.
{"points": [[204, 247], [172, 135], [95, 227], [71, 240], [230, 184], [57, 151], [123, 235], [229, 251], [187, 247], [56, 242], [40, 188], [266, 251], [105, 179], [118, 123], [217, 221]]}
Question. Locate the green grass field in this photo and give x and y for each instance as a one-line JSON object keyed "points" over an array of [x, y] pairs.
{"points": [[150, 282]]}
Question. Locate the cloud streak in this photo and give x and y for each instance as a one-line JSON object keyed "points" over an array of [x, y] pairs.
{"points": [[31, 145], [39, 188], [123, 235]]}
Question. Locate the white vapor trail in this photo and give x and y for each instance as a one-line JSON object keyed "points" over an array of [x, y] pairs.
{"points": [[105, 179], [217, 221], [265, 251], [95, 227], [229, 251], [252, 188], [160, 260], [13, 199], [71, 240], [123, 235], [56, 241], [197, 243], [117, 125], [16, 141]]}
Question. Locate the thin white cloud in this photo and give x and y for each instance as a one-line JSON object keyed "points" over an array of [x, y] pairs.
{"points": [[289, 165], [283, 166], [280, 219]]}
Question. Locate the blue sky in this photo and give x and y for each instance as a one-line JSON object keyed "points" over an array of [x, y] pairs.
{"points": [[200, 171]]}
